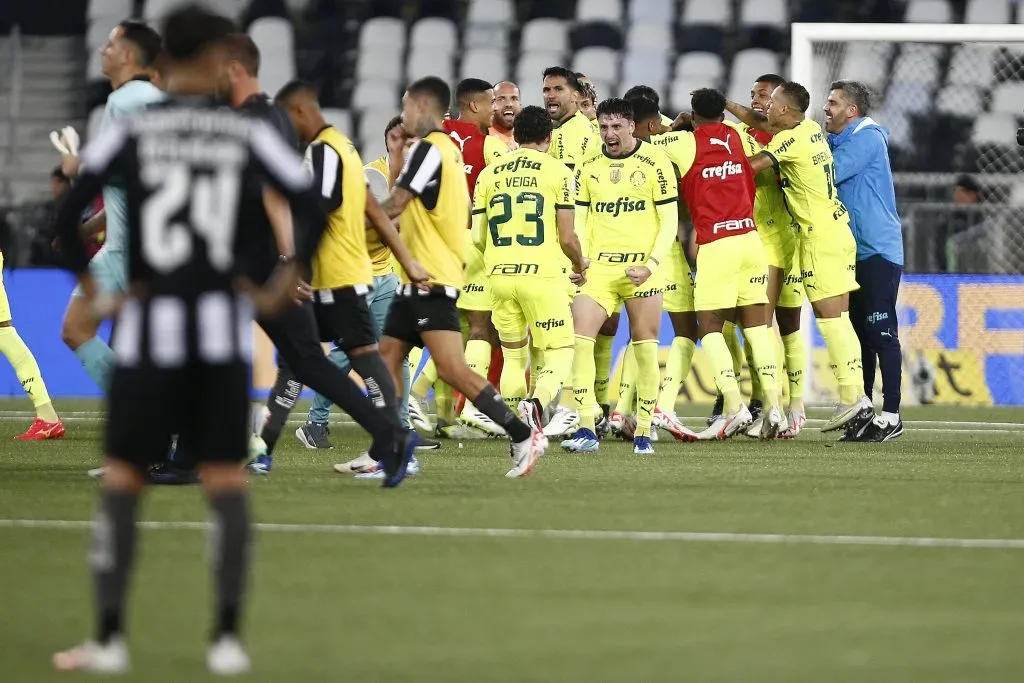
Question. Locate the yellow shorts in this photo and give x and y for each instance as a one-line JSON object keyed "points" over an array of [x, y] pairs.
{"points": [[518, 302], [5, 305], [792, 294], [780, 246], [828, 264], [609, 286], [678, 281], [731, 272], [475, 296]]}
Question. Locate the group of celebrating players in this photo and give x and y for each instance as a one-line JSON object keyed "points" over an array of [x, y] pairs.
{"points": [[534, 228]]}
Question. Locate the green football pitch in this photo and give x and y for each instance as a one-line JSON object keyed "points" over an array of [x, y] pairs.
{"points": [[737, 561]]}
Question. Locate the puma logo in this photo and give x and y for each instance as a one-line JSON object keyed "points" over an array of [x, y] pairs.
{"points": [[722, 143], [459, 139]]}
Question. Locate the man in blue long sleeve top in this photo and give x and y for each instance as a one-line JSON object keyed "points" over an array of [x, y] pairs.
{"points": [[863, 177]]}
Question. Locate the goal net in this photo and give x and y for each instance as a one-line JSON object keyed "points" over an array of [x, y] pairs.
{"points": [[952, 97]]}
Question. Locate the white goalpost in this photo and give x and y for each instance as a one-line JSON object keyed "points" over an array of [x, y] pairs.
{"points": [[952, 96]]}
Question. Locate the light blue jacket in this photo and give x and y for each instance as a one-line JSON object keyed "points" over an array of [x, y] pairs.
{"points": [[864, 180]]}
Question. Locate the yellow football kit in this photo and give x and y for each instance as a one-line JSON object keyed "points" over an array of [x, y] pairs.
{"points": [[515, 227], [475, 294], [341, 260], [826, 245], [681, 149], [380, 255], [575, 141], [775, 225], [627, 214]]}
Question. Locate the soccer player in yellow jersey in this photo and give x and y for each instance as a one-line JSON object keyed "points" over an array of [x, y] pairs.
{"points": [[432, 199], [574, 140], [523, 223], [827, 248], [678, 279], [778, 231], [343, 275], [627, 212], [587, 100], [505, 110]]}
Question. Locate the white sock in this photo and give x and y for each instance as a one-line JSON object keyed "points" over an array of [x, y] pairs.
{"points": [[891, 419]]}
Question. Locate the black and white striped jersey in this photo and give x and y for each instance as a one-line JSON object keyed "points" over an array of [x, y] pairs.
{"points": [[185, 165]]}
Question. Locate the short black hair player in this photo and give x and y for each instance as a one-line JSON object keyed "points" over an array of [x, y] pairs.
{"points": [[182, 348], [432, 199], [300, 357]]}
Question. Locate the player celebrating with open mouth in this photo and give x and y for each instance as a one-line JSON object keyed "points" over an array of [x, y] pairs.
{"points": [[627, 212]]}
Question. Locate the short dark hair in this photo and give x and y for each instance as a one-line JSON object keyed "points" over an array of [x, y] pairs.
{"points": [[968, 182], [144, 38], [856, 92], [615, 106], [773, 80], [708, 103], [193, 29], [643, 108], [586, 88], [434, 88], [643, 91], [797, 94], [395, 122], [470, 87], [242, 49], [532, 125], [562, 72], [295, 87], [58, 173]]}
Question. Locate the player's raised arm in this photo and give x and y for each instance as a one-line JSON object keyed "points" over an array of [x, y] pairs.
{"points": [[761, 161], [751, 117], [98, 161]]}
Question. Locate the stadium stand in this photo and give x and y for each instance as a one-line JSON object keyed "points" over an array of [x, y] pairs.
{"points": [[360, 54]]}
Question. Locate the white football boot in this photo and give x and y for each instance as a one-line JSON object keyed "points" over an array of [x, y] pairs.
{"points": [[526, 453], [773, 423], [474, 418], [418, 415], [92, 657], [795, 420], [562, 423], [227, 657], [844, 413], [726, 426]]}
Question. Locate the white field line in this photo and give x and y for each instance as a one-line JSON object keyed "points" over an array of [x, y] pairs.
{"points": [[559, 534], [341, 418]]}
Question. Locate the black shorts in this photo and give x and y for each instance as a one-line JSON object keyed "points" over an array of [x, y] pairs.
{"points": [[343, 317], [414, 311], [207, 406]]}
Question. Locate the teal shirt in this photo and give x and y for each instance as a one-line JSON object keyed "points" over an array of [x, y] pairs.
{"points": [[128, 100]]}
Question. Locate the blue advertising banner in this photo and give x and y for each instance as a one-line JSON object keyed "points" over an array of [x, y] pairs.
{"points": [[963, 340]]}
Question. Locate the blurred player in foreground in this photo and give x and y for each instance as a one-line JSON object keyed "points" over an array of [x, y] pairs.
{"points": [[433, 201], [182, 346], [627, 206], [517, 203]]}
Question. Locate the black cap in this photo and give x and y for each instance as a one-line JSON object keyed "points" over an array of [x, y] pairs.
{"points": [[968, 182]]}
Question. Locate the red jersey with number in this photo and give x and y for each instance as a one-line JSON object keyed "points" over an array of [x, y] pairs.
{"points": [[470, 140], [719, 187]]}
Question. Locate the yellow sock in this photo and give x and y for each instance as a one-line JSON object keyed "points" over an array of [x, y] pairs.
{"points": [[536, 365], [843, 355], [603, 368], [677, 367], [764, 353], [627, 383], [444, 403], [796, 364], [426, 379], [553, 375], [513, 376], [415, 356], [717, 351], [733, 342], [478, 358], [583, 380], [647, 374], [27, 370], [755, 379]]}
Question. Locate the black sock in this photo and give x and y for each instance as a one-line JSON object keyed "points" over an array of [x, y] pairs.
{"points": [[280, 403], [380, 386], [490, 403], [890, 359], [113, 549], [231, 537]]}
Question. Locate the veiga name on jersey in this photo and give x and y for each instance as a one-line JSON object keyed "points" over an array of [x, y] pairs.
{"points": [[726, 170], [621, 205], [734, 224]]}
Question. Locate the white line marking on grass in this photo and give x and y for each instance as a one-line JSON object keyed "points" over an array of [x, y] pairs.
{"points": [[560, 534]]}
